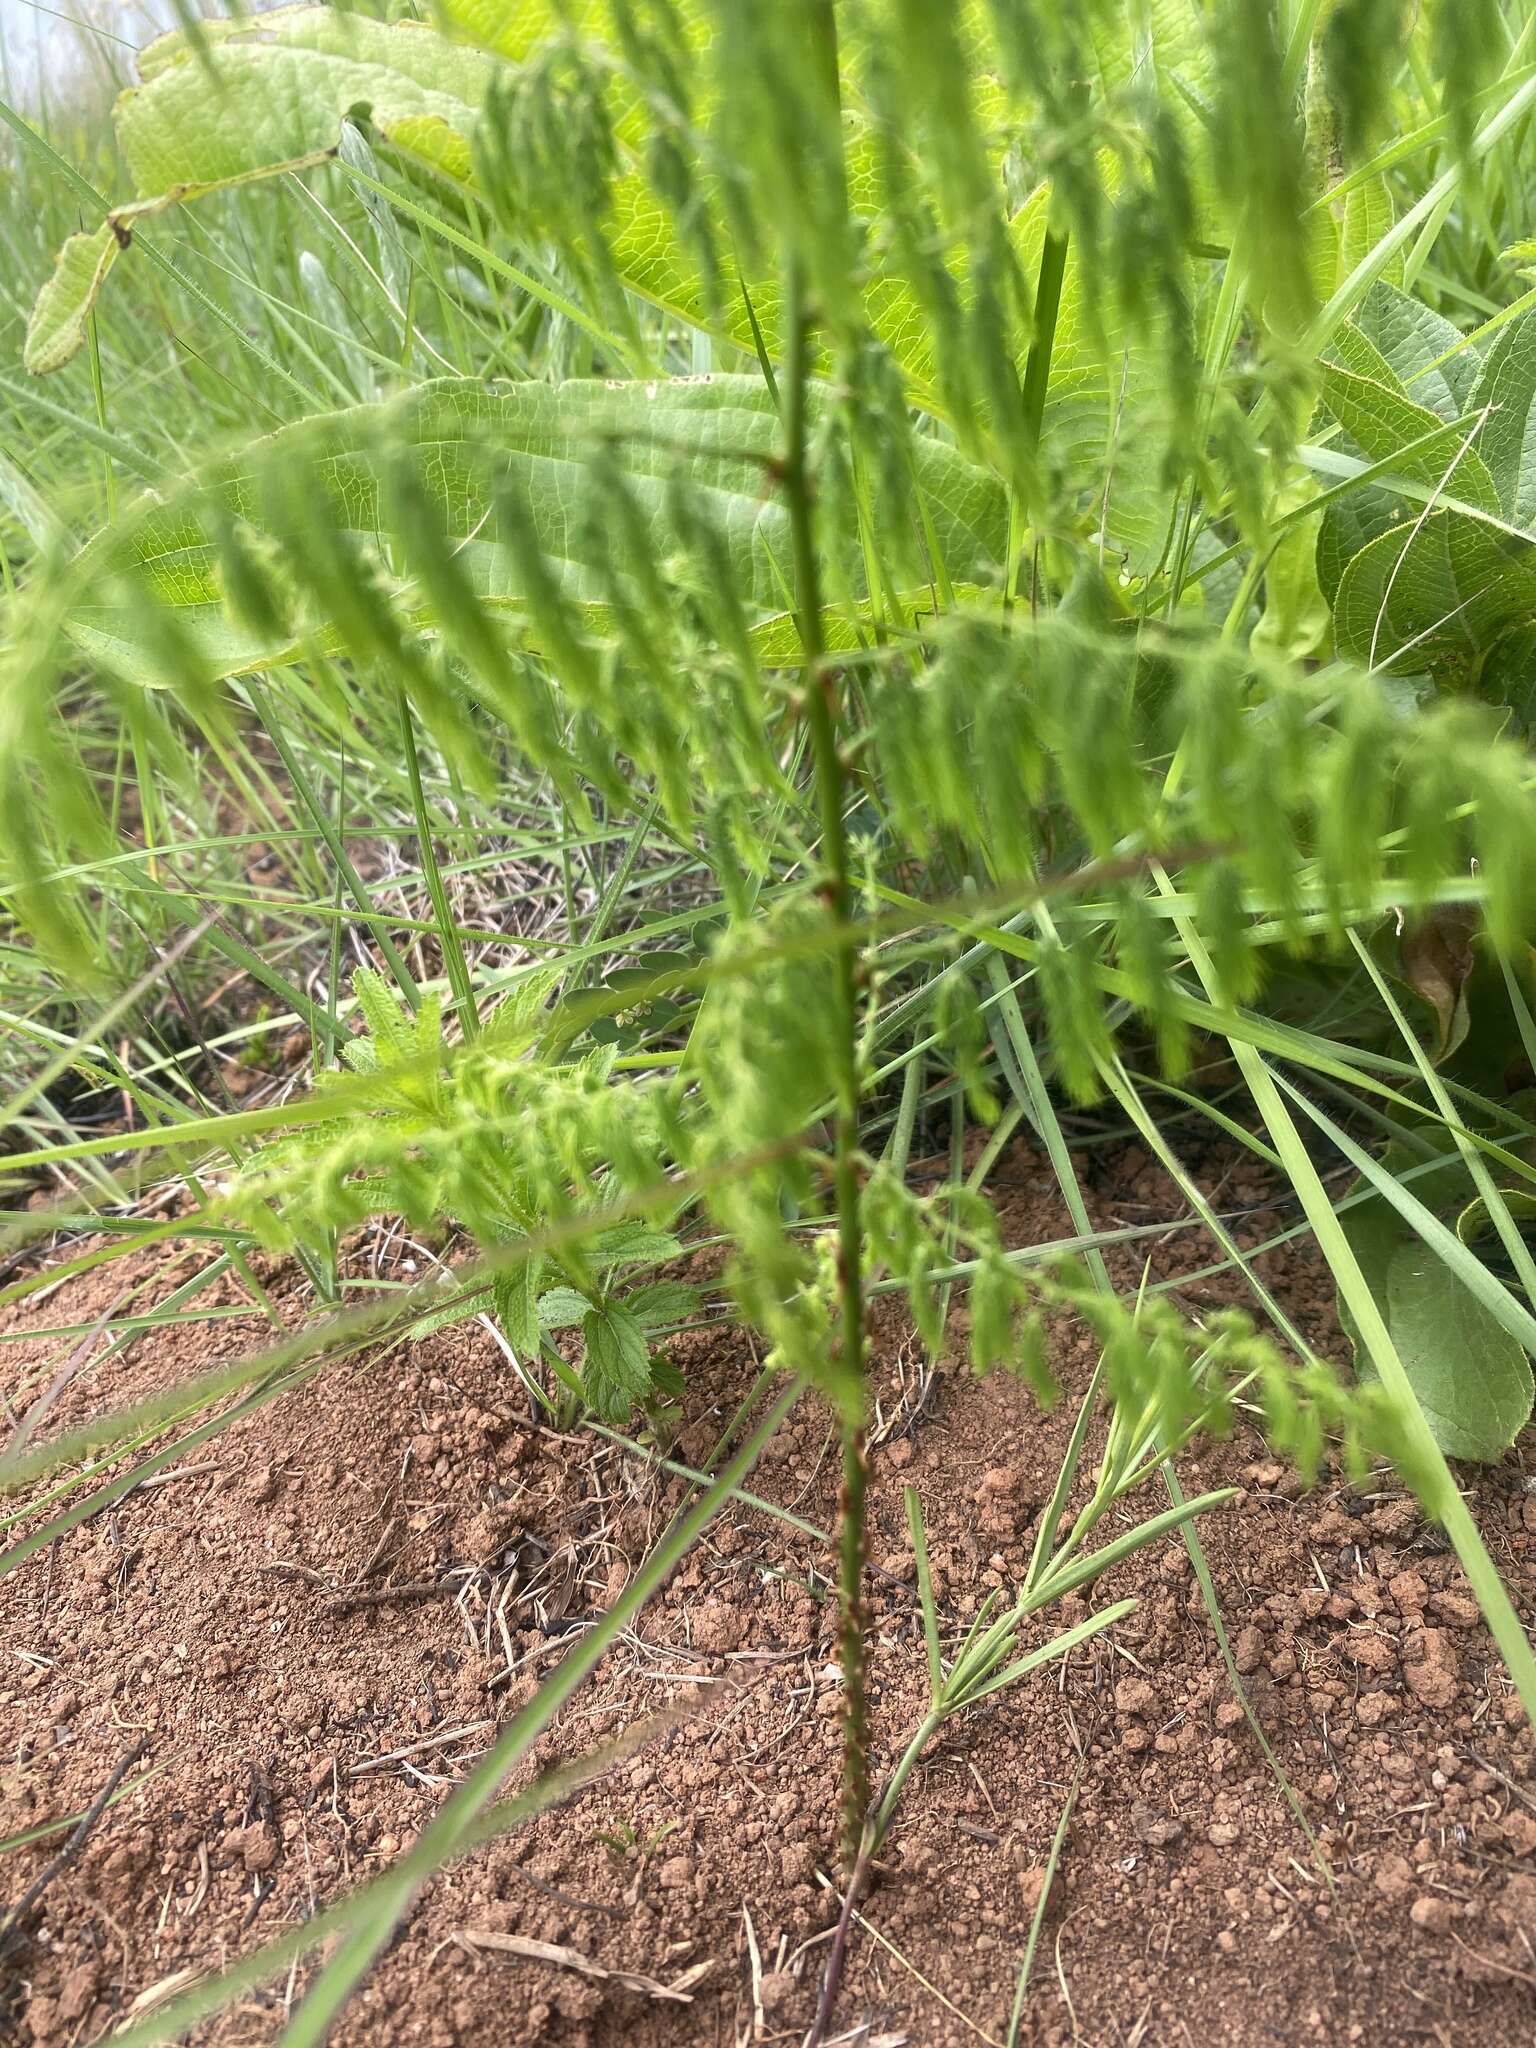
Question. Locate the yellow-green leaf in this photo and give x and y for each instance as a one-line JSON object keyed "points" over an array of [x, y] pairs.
{"points": [[471, 440], [58, 319]]}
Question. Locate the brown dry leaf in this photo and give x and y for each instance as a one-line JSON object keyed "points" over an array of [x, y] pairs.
{"points": [[1435, 954], [678, 1993], [691, 1978], [157, 1994]]}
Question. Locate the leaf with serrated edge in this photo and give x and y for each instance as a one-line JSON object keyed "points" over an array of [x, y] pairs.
{"points": [[662, 1302], [561, 1307], [1364, 395], [617, 1373]]}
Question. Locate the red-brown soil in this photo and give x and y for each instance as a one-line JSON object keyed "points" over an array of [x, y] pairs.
{"points": [[301, 1739]]}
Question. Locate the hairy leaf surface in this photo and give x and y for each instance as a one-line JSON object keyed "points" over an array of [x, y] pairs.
{"points": [[1365, 397], [1439, 586]]}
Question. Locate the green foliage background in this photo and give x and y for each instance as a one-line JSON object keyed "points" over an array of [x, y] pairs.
{"points": [[695, 593]]}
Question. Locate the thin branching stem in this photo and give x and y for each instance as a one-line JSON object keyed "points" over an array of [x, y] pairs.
{"points": [[821, 696]]}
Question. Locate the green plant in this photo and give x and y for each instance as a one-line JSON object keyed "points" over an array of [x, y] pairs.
{"points": [[443, 1148], [624, 1840], [1079, 610]]}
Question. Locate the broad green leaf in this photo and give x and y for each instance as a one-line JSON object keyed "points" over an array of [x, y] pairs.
{"points": [[1363, 394], [1362, 385], [1470, 1375], [1343, 231], [1364, 215], [1507, 388], [1429, 356], [1351, 523], [270, 94], [1475, 1225], [276, 87], [720, 435], [662, 1302], [1361, 390], [629, 1243], [561, 1307], [1441, 589], [285, 83], [617, 1373], [1170, 38], [515, 28], [1106, 409], [515, 1295]]}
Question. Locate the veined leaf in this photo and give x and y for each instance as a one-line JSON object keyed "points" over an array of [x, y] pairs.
{"points": [[634, 1243], [472, 441], [1507, 388], [1386, 426], [1365, 397], [617, 1372], [1385, 384], [1445, 583], [1364, 215], [270, 93], [1350, 524], [561, 1307], [1170, 36], [57, 327], [1428, 355], [515, 1297], [285, 83], [661, 1302], [1442, 588]]}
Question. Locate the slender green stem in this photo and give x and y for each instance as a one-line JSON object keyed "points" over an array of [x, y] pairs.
{"points": [[821, 699], [457, 967], [405, 981], [1037, 1920], [922, 1735]]}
